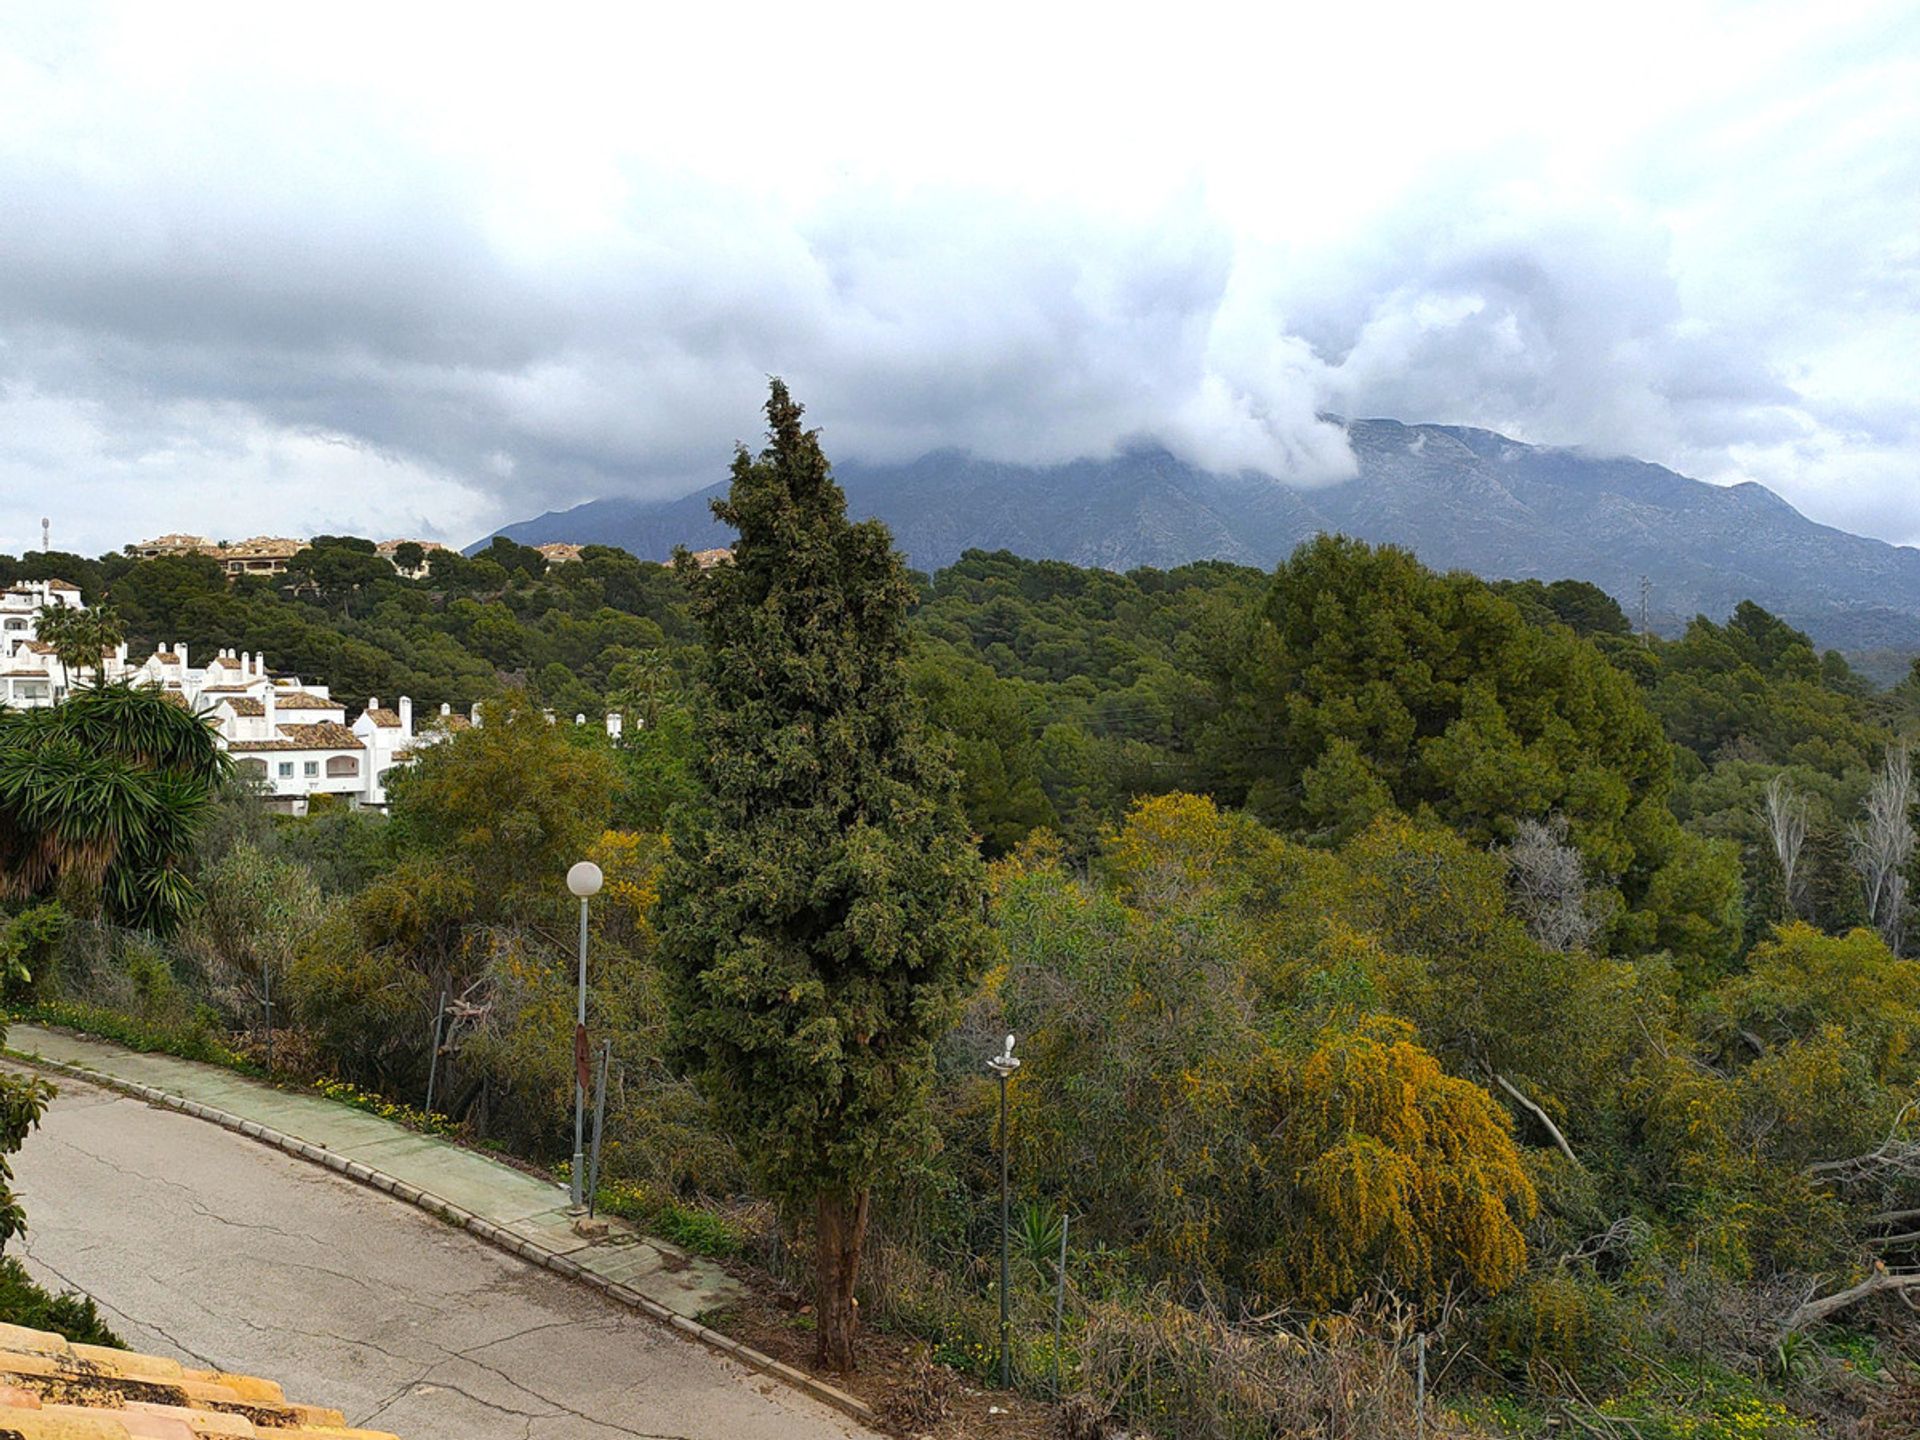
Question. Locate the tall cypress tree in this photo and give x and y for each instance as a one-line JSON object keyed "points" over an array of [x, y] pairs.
{"points": [[819, 910]]}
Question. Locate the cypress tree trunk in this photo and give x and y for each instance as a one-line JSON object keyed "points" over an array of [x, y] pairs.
{"points": [[840, 1231]]}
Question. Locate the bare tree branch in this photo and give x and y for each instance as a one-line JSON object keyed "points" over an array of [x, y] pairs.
{"points": [[1547, 883], [1882, 845], [1540, 1115], [1814, 1311], [1896, 1157], [1785, 815]]}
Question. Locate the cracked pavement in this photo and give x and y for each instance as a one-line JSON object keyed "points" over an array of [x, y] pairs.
{"points": [[204, 1245]]}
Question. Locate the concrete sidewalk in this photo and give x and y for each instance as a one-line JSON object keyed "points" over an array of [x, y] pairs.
{"points": [[515, 1202]]}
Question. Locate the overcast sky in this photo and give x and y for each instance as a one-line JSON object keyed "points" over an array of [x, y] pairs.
{"points": [[406, 270]]}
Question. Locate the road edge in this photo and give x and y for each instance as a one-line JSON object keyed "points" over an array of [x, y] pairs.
{"points": [[477, 1226]]}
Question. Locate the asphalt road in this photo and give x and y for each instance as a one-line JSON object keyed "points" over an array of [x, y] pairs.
{"points": [[203, 1245]]}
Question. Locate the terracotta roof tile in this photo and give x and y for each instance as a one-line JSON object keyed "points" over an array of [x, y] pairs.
{"points": [[327, 735], [53, 1390], [244, 705], [385, 718], [263, 547], [304, 700]]}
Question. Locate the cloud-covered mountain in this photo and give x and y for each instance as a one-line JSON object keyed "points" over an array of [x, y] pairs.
{"points": [[1462, 498]]}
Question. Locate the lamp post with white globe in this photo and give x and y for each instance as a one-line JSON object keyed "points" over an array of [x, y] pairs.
{"points": [[1003, 1065], [584, 881]]}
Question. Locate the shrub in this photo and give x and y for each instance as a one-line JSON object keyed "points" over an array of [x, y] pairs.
{"points": [[22, 1302]]}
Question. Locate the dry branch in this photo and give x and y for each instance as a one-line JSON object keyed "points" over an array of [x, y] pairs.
{"points": [[1540, 1115], [1814, 1311]]}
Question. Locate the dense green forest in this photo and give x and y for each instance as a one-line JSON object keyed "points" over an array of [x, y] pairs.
{"points": [[1384, 944]]}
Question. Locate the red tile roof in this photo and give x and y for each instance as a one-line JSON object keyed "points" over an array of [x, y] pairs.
{"points": [[52, 1389], [327, 735]]}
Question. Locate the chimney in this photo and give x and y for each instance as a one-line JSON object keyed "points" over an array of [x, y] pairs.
{"points": [[271, 704], [445, 708], [183, 655], [259, 662], [406, 715], [579, 719], [473, 712], [373, 702], [614, 724]]}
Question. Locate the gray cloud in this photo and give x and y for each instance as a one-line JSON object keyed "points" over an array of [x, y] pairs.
{"points": [[252, 309]]}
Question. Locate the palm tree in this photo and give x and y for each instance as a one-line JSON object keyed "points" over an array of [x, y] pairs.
{"points": [[57, 625], [108, 789], [81, 639], [654, 676], [98, 636]]}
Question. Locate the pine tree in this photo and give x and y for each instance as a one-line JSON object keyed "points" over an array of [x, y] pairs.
{"points": [[819, 910]]}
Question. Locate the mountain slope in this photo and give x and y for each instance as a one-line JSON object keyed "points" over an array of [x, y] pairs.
{"points": [[1462, 498]]}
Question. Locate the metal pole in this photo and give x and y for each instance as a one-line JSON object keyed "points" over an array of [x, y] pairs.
{"points": [[1005, 1241], [266, 1000], [1059, 1301], [433, 1061], [579, 1090], [599, 1123], [1420, 1387]]}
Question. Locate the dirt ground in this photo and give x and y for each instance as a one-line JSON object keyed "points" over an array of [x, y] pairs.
{"points": [[914, 1396]]}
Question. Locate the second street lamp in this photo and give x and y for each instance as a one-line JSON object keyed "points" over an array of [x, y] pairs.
{"points": [[1003, 1065], [584, 881]]}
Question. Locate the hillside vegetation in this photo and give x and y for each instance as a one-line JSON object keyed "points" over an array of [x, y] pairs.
{"points": [[1391, 952]]}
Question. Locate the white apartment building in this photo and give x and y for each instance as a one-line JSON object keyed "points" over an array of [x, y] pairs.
{"points": [[292, 739], [30, 673]]}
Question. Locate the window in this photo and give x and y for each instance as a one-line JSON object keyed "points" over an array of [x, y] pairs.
{"points": [[311, 769], [343, 765], [252, 768], [286, 769]]}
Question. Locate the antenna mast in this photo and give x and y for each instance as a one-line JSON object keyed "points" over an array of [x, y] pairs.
{"points": [[1646, 596], [46, 532]]}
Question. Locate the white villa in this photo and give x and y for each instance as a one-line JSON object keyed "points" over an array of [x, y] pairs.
{"points": [[290, 738], [30, 673]]}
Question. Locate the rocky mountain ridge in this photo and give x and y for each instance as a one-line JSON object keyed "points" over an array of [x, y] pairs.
{"points": [[1459, 497]]}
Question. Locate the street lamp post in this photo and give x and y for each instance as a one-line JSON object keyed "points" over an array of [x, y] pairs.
{"points": [[584, 881], [1003, 1065]]}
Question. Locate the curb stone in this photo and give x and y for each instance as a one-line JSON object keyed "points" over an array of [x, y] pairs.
{"points": [[477, 1226]]}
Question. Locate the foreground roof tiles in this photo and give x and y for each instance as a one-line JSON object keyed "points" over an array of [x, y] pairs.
{"points": [[53, 1390]]}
